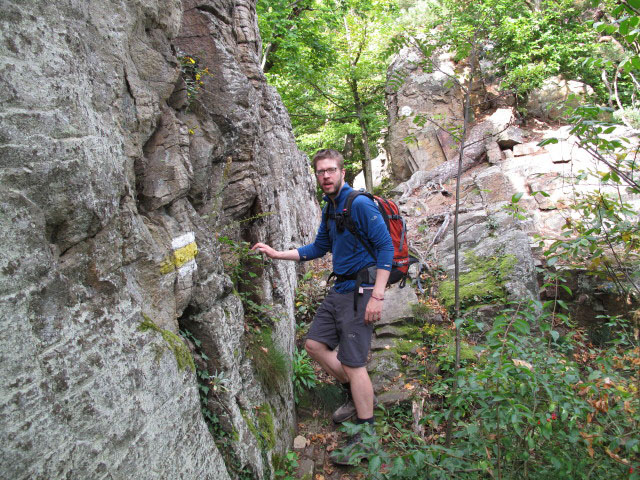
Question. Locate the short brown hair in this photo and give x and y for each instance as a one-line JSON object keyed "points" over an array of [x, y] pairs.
{"points": [[328, 154]]}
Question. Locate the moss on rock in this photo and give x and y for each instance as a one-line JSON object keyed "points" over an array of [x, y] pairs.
{"points": [[266, 425], [174, 343], [484, 283]]}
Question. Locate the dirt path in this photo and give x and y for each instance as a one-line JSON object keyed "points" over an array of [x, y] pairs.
{"points": [[317, 436]]}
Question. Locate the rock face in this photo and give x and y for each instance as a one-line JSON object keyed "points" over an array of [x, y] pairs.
{"points": [[117, 178], [549, 101], [415, 89], [499, 254]]}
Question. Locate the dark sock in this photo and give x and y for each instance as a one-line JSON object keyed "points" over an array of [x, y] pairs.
{"points": [[360, 421], [347, 388]]}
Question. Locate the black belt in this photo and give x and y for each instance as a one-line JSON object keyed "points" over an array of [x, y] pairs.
{"points": [[360, 277]]}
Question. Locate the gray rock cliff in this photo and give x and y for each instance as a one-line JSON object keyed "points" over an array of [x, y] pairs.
{"points": [[116, 181]]}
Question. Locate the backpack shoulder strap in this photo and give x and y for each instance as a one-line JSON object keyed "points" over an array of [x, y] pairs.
{"points": [[349, 222]]}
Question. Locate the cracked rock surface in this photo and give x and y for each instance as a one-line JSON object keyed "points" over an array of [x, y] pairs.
{"points": [[115, 186]]}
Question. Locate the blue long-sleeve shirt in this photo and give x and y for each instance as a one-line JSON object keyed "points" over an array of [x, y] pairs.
{"points": [[349, 255]]}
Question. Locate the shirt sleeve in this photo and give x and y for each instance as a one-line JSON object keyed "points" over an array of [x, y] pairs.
{"points": [[366, 214], [320, 246]]}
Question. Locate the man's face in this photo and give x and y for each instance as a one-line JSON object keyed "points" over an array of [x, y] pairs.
{"points": [[331, 183]]}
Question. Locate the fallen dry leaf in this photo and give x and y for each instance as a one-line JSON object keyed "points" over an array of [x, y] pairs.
{"points": [[617, 458], [589, 440], [522, 363], [628, 408]]}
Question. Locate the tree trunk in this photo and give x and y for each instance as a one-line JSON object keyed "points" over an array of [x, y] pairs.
{"points": [[347, 151], [366, 163]]}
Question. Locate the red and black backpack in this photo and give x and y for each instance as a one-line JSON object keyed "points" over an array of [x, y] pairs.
{"points": [[395, 224]]}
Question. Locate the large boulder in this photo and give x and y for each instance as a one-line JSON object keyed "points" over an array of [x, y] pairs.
{"points": [[417, 88], [549, 101], [116, 184]]}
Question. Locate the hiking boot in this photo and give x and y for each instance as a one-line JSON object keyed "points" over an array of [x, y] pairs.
{"points": [[348, 410], [351, 454]]}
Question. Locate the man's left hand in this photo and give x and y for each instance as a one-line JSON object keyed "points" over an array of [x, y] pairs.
{"points": [[374, 310]]}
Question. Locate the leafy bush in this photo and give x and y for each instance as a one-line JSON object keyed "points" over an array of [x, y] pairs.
{"points": [[531, 411], [285, 466], [304, 377]]}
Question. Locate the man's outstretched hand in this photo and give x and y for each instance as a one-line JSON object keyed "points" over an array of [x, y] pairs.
{"points": [[273, 253], [266, 249]]}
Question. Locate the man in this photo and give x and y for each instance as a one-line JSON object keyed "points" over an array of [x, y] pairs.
{"points": [[342, 321]]}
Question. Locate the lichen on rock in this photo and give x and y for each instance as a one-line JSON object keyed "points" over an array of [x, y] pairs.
{"points": [[483, 283]]}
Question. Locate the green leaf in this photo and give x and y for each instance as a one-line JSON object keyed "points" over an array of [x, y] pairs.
{"points": [[516, 197], [547, 141], [634, 3], [398, 466], [374, 463], [563, 304], [555, 335], [594, 375], [615, 177], [623, 28], [521, 326]]}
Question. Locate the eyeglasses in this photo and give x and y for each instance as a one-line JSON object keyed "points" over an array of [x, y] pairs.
{"points": [[330, 171]]}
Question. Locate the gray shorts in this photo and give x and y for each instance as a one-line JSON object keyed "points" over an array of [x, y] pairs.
{"points": [[337, 324]]}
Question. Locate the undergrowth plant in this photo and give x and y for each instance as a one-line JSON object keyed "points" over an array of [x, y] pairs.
{"points": [[193, 75], [285, 466], [241, 264], [270, 362], [308, 294], [530, 408], [303, 375]]}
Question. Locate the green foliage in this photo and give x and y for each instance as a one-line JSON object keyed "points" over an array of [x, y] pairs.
{"points": [[213, 385], [285, 466], [174, 343], [534, 44], [327, 61], [241, 264], [304, 377], [514, 209], [266, 427], [527, 410], [602, 234], [216, 383], [270, 362], [521, 42], [385, 187]]}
